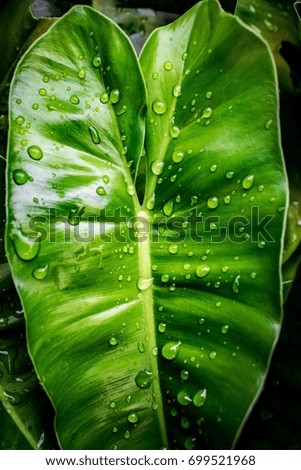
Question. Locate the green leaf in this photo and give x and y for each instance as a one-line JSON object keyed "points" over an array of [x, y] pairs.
{"points": [[26, 420], [145, 320]]}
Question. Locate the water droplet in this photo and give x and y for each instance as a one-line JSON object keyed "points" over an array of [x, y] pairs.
{"points": [[101, 191], [82, 73], [130, 189], [235, 284], [165, 277], [178, 156], [25, 248], [225, 329], [113, 341], [190, 443], [184, 56], [157, 167], [207, 112], [96, 61], [115, 96], [159, 107], [20, 177], [94, 135], [40, 272], [155, 405], [104, 98], [168, 208], [168, 66], [268, 124], [127, 435], [112, 405], [105, 179], [140, 346], [171, 350], [173, 248], [35, 106], [121, 111], [248, 181], [177, 91], [20, 120], [185, 423], [133, 418], [202, 270], [261, 244], [162, 327], [74, 99], [253, 275], [184, 375], [200, 398], [208, 95], [42, 92], [155, 75], [227, 199], [213, 168], [184, 398], [230, 175], [212, 202], [144, 379], [144, 283], [151, 202], [213, 354], [174, 132], [35, 152]]}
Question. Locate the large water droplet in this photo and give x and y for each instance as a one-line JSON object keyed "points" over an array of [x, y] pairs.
{"points": [[171, 350], [133, 418], [174, 132], [115, 96], [168, 208], [248, 181], [74, 99], [235, 284], [200, 397], [144, 379], [144, 283], [162, 327], [130, 189], [20, 176], [94, 135], [35, 152], [184, 398], [207, 112], [178, 156], [101, 191], [25, 248], [159, 107], [96, 61], [40, 272], [157, 167], [104, 98], [202, 270], [212, 202], [173, 248], [176, 91]]}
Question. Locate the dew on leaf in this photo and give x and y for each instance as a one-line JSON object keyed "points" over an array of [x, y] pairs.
{"points": [[115, 96], [174, 132], [227, 199], [140, 346], [144, 283], [212, 202], [162, 327], [82, 73], [236, 284], [144, 379], [184, 398], [168, 66], [94, 135], [202, 270], [173, 248], [127, 435], [213, 168], [170, 350], [42, 91], [133, 418], [229, 175], [20, 120], [96, 61], [101, 191], [104, 98], [200, 397], [26, 249], [20, 176], [165, 277], [184, 375], [212, 354], [130, 189], [121, 111], [159, 107], [207, 112], [225, 329], [261, 244], [105, 179], [157, 167], [185, 423], [176, 91], [268, 124], [35, 152], [40, 272], [248, 181], [168, 208], [74, 99], [113, 341]]}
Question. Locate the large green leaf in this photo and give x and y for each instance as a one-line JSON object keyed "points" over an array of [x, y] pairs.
{"points": [[149, 326]]}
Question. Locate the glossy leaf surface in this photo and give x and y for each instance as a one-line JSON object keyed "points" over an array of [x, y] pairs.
{"points": [[145, 320]]}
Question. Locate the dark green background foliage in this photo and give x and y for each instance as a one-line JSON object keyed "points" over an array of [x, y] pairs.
{"points": [[209, 409]]}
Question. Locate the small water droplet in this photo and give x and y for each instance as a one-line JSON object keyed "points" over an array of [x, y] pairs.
{"points": [[101, 191], [96, 61], [213, 354], [268, 124], [207, 112], [74, 99], [202, 270], [171, 350], [112, 405], [42, 92], [261, 244], [248, 181], [230, 175], [177, 91], [212, 202], [150, 204], [184, 398], [115, 96], [35, 152], [113, 341], [20, 176], [40, 272], [225, 329], [253, 275], [190, 443], [121, 111], [208, 95], [140, 346], [133, 418], [94, 135], [130, 189], [168, 208], [236, 284], [82, 73], [200, 397], [144, 379], [184, 375], [165, 277], [227, 199], [213, 168], [127, 435], [157, 167], [168, 66], [162, 327], [144, 283], [20, 120], [159, 107], [104, 98], [173, 248], [174, 132]]}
